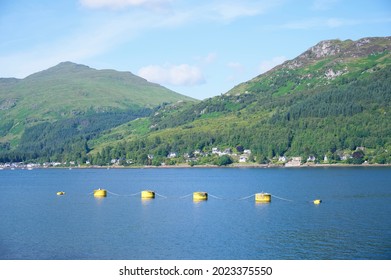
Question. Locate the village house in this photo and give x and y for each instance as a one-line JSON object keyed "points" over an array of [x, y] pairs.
{"points": [[198, 153], [247, 152], [294, 162], [311, 158], [216, 151], [172, 155], [345, 156], [282, 159], [243, 158]]}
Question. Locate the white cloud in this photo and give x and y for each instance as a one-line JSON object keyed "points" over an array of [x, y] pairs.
{"points": [[119, 4], [266, 65], [176, 75]]}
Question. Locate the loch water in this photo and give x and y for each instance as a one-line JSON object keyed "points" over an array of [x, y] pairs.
{"points": [[352, 222]]}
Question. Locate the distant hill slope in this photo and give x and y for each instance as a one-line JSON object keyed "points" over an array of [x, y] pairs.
{"points": [[330, 100], [69, 91], [328, 62]]}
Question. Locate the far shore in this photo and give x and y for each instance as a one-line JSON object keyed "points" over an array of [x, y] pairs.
{"points": [[179, 166]]}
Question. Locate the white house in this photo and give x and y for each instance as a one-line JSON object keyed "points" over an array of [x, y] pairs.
{"points": [[295, 161], [282, 158], [172, 155], [311, 158], [243, 158]]}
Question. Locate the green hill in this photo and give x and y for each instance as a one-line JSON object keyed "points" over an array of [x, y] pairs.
{"points": [[69, 95], [333, 100]]}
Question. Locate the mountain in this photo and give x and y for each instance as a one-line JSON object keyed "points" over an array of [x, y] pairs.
{"points": [[333, 101], [328, 62], [77, 96], [69, 89]]}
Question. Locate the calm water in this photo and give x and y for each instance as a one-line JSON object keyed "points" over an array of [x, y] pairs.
{"points": [[353, 222]]}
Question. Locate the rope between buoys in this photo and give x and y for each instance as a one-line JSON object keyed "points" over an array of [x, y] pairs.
{"points": [[247, 197], [123, 194], [186, 195], [134, 194], [161, 195], [281, 198], [211, 195]]}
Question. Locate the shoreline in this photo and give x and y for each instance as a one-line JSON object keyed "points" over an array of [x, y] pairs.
{"points": [[181, 166]]}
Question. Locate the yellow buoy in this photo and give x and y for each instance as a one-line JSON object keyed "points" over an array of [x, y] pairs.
{"points": [[100, 193], [198, 196], [147, 194], [60, 193], [317, 201], [263, 197]]}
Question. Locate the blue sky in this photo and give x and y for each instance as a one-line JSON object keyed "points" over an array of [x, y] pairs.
{"points": [[198, 48]]}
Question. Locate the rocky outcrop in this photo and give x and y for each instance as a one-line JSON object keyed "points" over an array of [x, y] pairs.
{"points": [[340, 49]]}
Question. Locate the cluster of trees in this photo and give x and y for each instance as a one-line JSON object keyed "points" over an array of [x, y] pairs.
{"points": [[311, 123], [66, 139]]}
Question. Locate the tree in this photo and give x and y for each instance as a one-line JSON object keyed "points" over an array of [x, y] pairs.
{"points": [[357, 157], [224, 160], [240, 149]]}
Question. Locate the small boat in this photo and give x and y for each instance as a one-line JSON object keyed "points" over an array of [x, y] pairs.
{"points": [[60, 193]]}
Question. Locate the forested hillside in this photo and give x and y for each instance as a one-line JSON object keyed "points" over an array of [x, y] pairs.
{"points": [[330, 104], [54, 113]]}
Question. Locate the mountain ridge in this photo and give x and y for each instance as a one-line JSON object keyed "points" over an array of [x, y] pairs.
{"points": [[326, 53], [67, 90]]}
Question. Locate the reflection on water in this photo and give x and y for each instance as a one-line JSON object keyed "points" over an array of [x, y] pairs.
{"points": [[352, 222], [146, 201], [199, 202], [99, 200]]}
